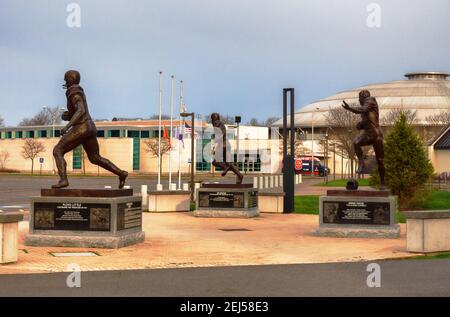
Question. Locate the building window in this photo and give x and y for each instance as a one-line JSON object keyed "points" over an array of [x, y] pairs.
{"points": [[76, 162], [114, 133], [29, 134], [133, 134], [57, 133], [42, 133], [19, 134], [136, 153], [145, 134], [100, 133]]}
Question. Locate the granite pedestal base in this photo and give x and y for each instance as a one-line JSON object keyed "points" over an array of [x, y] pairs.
{"points": [[85, 218], [9, 227], [359, 214], [169, 200], [227, 201]]}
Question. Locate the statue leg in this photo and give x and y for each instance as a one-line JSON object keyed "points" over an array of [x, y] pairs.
{"points": [[379, 154], [358, 143], [67, 143], [225, 167], [236, 171], [92, 150]]}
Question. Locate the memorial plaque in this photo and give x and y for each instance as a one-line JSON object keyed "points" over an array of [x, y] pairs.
{"points": [[72, 216], [129, 215], [252, 199], [221, 199], [356, 212]]}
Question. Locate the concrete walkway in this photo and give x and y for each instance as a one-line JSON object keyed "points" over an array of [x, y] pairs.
{"points": [[180, 240]]}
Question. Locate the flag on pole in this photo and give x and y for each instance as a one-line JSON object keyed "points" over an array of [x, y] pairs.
{"points": [[180, 137], [166, 136], [187, 129]]}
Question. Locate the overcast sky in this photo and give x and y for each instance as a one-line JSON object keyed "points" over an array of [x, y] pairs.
{"points": [[235, 56]]}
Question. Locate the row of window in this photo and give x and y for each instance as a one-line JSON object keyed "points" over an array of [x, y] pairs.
{"points": [[100, 134]]}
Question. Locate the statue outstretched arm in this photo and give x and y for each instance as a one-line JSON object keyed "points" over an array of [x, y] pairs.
{"points": [[355, 109]]}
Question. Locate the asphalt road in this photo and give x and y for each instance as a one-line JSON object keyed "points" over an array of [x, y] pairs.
{"points": [[15, 191], [398, 278]]}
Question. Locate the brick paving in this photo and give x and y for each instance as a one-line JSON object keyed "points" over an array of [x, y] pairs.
{"points": [[181, 240]]}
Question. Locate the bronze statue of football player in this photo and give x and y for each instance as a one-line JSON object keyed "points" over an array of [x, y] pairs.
{"points": [[372, 133], [80, 130], [222, 149]]}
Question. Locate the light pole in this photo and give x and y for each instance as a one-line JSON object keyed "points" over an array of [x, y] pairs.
{"points": [[237, 120], [312, 141], [159, 185], [192, 115], [53, 115], [171, 131], [181, 110]]}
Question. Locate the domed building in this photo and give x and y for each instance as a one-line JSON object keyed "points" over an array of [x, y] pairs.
{"points": [[427, 93], [424, 96]]}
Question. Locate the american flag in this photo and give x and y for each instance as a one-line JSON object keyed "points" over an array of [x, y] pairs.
{"points": [[187, 128]]}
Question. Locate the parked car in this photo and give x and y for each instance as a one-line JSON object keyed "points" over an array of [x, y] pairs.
{"points": [[303, 166]]}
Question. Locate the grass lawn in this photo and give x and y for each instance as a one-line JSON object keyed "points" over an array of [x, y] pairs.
{"points": [[442, 255], [343, 182], [437, 200], [310, 204]]}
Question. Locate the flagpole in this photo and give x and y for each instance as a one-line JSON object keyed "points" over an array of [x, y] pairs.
{"points": [[180, 132], [170, 136], [159, 185]]}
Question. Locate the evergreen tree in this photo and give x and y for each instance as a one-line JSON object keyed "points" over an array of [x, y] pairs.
{"points": [[407, 165]]}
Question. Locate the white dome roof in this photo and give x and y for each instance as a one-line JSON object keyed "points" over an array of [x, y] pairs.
{"points": [[427, 93]]}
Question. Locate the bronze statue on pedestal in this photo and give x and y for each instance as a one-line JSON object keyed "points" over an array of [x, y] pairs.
{"points": [[80, 130], [222, 148], [372, 133]]}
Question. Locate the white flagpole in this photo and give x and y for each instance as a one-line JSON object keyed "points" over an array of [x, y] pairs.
{"points": [[159, 186], [180, 132], [170, 136]]}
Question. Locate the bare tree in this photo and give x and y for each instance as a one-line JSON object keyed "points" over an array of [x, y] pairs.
{"points": [[151, 146], [441, 118], [254, 122], [43, 117], [4, 157], [393, 115], [270, 121], [342, 128], [2, 121], [156, 117], [225, 118], [31, 149], [299, 148]]}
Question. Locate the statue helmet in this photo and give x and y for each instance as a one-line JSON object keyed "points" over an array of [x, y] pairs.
{"points": [[215, 116], [363, 94], [72, 76]]}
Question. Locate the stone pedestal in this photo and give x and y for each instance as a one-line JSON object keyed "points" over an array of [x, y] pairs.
{"points": [[227, 201], [90, 218], [169, 200], [358, 213], [9, 227], [428, 231], [271, 202]]}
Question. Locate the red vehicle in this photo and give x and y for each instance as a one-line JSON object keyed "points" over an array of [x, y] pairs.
{"points": [[303, 166]]}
